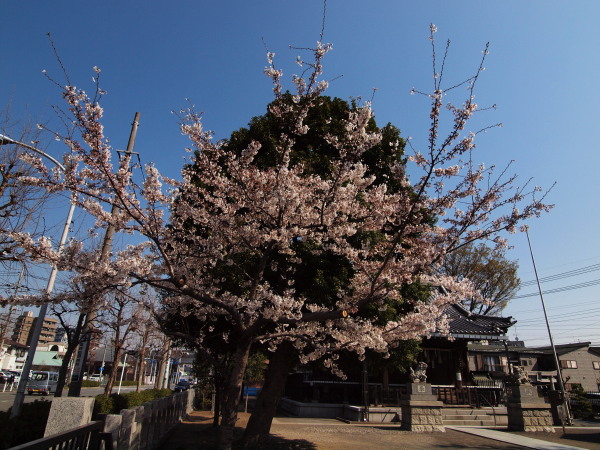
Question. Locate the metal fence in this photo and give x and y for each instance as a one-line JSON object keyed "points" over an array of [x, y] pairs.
{"points": [[85, 437]]}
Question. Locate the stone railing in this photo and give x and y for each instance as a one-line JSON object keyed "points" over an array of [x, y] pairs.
{"points": [[146, 426], [139, 428]]}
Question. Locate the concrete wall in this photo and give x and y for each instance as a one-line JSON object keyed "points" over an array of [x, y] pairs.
{"points": [[317, 410], [339, 410]]}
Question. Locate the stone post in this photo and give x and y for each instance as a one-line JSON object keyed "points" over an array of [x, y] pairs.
{"points": [[191, 396], [112, 425], [67, 413], [527, 411], [147, 424], [127, 428], [421, 411], [557, 405]]}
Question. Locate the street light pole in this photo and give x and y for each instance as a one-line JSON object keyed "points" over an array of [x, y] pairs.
{"points": [[20, 395]]}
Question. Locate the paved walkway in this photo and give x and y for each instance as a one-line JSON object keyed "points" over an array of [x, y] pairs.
{"points": [[514, 439]]}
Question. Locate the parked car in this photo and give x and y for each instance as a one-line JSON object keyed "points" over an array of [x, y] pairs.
{"points": [[95, 377], [182, 385], [8, 376], [16, 374], [42, 382]]}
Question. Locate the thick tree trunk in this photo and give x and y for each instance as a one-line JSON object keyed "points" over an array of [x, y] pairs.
{"points": [[232, 392], [162, 365], [62, 372], [142, 368], [72, 343], [113, 373], [218, 399], [280, 364]]}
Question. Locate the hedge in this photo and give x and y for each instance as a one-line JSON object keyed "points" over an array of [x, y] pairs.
{"points": [[114, 403], [88, 383]]}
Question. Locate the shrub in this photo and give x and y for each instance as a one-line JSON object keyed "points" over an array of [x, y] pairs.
{"points": [[103, 405], [30, 424], [114, 403], [581, 407], [88, 383], [126, 383]]}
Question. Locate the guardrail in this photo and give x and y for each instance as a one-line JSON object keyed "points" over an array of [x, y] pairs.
{"points": [[90, 437]]}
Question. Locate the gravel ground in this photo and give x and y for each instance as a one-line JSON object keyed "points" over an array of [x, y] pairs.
{"points": [[197, 433], [293, 433]]}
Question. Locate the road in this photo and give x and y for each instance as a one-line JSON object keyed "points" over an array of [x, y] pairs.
{"points": [[7, 398]]}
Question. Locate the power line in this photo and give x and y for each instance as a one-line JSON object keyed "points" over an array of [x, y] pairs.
{"points": [[560, 316], [560, 289], [561, 275], [554, 308]]}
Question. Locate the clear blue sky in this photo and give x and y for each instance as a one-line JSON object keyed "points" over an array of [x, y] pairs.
{"points": [[542, 73]]}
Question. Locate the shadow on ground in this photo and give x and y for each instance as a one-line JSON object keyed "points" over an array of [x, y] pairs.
{"points": [[583, 436], [198, 433]]}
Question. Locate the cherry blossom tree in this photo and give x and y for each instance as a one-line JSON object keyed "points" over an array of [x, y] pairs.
{"points": [[21, 204], [231, 210]]}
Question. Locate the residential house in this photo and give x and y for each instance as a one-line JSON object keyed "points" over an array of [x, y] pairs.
{"points": [[12, 355], [579, 364]]}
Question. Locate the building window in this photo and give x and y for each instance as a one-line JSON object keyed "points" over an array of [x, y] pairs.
{"points": [[524, 362], [596, 365], [491, 363], [568, 364]]}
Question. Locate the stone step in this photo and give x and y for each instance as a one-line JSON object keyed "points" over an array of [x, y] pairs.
{"points": [[470, 423], [461, 412], [473, 412], [463, 417]]}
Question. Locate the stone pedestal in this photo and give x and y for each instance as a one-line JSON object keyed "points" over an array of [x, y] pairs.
{"points": [[527, 411], [67, 413], [421, 412], [557, 405]]}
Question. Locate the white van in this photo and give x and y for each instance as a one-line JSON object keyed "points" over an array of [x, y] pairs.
{"points": [[42, 382]]}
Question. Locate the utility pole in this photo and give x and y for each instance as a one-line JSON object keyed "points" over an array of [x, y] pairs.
{"points": [[561, 385], [35, 334], [90, 315], [37, 328]]}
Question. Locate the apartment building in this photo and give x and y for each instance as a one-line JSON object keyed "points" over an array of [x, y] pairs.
{"points": [[25, 324]]}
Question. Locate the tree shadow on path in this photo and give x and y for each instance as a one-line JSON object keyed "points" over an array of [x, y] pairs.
{"points": [[199, 433]]}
